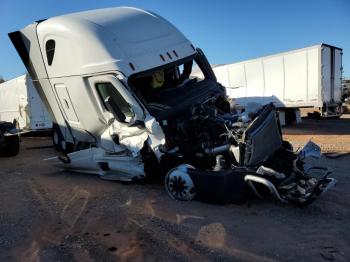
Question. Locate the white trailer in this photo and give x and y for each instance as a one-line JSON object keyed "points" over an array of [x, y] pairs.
{"points": [[21, 104], [304, 78]]}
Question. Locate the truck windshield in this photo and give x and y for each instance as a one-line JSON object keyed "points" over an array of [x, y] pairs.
{"points": [[151, 84], [171, 86]]}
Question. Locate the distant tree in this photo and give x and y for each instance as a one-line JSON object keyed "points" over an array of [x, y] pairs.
{"points": [[2, 80]]}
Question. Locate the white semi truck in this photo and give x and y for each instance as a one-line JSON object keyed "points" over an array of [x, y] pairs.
{"points": [[117, 83], [21, 105], [304, 78]]}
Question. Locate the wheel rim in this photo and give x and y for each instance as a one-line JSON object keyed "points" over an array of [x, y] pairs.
{"points": [[179, 184]]}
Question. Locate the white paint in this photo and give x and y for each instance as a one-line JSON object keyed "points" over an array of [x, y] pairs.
{"points": [[108, 40], [299, 78], [97, 47], [19, 100]]}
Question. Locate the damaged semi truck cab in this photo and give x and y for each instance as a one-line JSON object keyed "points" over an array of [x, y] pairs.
{"points": [[117, 83], [79, 60]]}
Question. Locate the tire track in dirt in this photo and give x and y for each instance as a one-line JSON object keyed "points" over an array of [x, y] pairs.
{"points": [[59, 227]]}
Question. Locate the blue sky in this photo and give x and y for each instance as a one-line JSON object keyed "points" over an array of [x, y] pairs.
{"points": [[227, 30]]}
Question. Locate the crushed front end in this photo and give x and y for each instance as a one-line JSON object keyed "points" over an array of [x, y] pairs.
{"points": [[216, 152], [226, 156]]}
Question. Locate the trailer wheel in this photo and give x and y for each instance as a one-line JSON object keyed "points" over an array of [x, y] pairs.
{"points": [[11, 145], [178, 183]]}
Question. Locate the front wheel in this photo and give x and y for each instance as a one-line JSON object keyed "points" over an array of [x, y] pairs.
{"points": [[178, 183], [57, 138], [59, 142]]}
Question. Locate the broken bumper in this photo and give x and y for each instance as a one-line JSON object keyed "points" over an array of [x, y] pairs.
{"points": [[236, 185]]}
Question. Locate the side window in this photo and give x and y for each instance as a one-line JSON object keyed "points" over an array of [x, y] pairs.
{"points": [[108, 90], [50, 50]]}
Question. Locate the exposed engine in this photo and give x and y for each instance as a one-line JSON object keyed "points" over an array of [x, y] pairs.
{"points": [[215, 142], [200, 135], [211, 132]]}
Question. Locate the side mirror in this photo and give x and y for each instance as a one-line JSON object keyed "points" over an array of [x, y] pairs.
{"points": [[115, 110]]}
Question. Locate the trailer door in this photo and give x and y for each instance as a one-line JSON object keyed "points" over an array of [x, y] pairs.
{"points": [[331, 74], [326, 74], [337, 89]]}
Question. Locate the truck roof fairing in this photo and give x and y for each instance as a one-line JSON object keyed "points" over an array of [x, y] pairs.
{"points": [[123, 39]]}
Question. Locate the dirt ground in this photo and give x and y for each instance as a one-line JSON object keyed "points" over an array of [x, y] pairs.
{"points": [[332, 135], [47, 214]]}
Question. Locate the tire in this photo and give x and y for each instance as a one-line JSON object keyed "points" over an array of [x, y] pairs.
{"points": [[178, 183], [59, 142], [11, 145], [57, 138]]}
